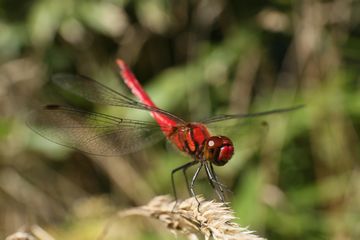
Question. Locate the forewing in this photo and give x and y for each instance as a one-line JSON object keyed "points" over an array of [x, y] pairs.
{"points": [[245, 130], [98, 93], [91, 90], [241, 116], [244, 133], [93, 133]]}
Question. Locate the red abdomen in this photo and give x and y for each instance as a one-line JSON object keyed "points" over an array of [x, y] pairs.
{"points": [[189, 138]]}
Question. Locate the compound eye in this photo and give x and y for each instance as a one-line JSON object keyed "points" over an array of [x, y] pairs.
{"points": [[226, 153], [219, 150]]}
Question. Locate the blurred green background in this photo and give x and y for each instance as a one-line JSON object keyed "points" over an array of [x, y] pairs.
{"points": [[196, 59]]}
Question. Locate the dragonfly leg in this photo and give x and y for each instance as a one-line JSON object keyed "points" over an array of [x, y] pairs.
{"points": [[184, 168], [186, 178], [216, 179], [193, 182], [212, 179]]}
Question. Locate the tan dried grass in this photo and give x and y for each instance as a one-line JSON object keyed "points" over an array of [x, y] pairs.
{"points": [[33, 232], [210, 220]]}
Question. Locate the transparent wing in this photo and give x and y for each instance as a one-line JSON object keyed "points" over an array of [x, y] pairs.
{"points": [[99, 93], [93, 133], [244, 133], [224, 117], [245, 130]]}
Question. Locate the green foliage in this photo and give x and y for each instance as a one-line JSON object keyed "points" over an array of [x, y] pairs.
{"points": [[299, 180]]}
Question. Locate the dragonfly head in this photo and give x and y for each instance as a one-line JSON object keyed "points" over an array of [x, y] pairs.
{"points": [[218, 150]]}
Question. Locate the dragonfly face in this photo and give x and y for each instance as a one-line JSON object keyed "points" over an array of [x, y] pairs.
{"points": [[218, 150]]}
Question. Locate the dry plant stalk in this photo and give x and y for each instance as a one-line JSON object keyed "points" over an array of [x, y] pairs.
{"points": [[213, 221], [33, 232], [20, 236]]}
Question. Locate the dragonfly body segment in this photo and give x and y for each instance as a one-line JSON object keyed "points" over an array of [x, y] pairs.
{"points": [[134, 85], [190, 138]]}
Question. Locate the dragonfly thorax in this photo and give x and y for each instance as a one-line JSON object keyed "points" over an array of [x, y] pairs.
{"points": [[194, 139], [218, 150], [190, 138]]}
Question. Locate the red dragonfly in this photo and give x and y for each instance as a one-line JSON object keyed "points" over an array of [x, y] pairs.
{"points": [[102, 134]]}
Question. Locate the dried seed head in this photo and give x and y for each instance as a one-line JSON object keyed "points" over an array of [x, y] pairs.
{"points": [[33, 232], [210, 219], [20, 236]]}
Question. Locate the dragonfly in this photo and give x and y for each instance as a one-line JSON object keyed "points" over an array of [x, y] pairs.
{"points": [[108, 135]]}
